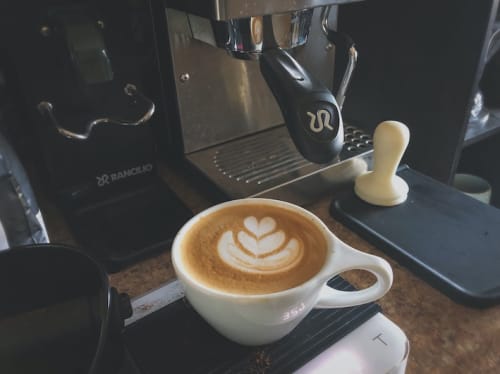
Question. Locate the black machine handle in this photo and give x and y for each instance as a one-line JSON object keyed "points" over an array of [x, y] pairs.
{"points": [[310, 111]]}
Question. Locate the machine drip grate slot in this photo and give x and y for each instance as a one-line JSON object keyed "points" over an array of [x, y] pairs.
{"points": [[356, 140], [263, 157], [259, 160]]}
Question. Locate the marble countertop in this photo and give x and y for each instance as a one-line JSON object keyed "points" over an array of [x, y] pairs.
{"points": [[445, 337]]}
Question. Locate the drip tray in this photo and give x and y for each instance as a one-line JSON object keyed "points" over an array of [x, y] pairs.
{"points": [[176, 339], [130, 226], [268, 164]]}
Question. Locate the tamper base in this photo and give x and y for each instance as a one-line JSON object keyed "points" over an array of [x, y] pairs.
{"points": [[382, 194]]}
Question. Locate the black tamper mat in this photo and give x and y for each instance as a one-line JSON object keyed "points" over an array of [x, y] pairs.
{"points": [[175, 339], [449, 239]]}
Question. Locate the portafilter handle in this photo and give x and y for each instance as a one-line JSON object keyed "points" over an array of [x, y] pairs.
{"points": [[46, 108], [310, 111]]}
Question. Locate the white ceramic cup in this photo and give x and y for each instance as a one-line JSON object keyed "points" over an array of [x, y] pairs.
{"points": [[265, 318], [474, 186]]}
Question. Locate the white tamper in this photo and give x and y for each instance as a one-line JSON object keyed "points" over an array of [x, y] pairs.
{"points": [[382, 186]]}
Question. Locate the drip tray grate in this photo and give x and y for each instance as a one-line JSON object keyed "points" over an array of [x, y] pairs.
{"points": [[260, 162], [263, 157]]}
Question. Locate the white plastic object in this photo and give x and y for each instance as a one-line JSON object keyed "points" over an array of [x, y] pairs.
{"points": [[382, 186], [377, 346]]}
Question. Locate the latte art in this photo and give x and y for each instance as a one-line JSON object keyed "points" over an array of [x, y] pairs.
{"points": [[253, 249], [261, 248]]}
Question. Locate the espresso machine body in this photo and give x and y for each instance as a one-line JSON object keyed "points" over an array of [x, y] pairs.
{"points": [[226, 123]]}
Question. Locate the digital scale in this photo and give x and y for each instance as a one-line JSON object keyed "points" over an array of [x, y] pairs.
{"points": [[165, 334]]}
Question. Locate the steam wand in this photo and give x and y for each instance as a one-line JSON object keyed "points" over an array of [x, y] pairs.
{"points": [[340, 39]]}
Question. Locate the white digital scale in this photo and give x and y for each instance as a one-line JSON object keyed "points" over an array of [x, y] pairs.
{"points": [[378, 346]]}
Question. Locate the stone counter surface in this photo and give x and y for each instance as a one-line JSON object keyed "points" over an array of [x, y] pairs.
{"points": [[445, 337]]}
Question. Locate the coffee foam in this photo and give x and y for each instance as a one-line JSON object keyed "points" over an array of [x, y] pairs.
{"points": [[261, 248], [253, 249]]}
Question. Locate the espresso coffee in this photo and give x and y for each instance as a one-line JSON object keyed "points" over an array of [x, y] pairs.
{"points": [[253, 249]]}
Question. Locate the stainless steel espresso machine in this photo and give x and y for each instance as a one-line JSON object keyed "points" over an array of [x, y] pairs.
{"points": [[252, 109]]}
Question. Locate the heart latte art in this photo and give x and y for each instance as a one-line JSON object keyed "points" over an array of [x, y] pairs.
{"points": [[253, 249], [261, 248]]}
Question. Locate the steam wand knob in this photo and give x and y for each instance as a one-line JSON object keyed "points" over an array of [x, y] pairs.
{"points": [[382, 186]]}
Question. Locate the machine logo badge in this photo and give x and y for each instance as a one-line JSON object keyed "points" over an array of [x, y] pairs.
{"points": [[103, 180], [106, 179], [320, 120]]}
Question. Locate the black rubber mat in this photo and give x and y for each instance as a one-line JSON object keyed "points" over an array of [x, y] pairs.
{"points": [[130, 226], [449, 239], [176, 339]]}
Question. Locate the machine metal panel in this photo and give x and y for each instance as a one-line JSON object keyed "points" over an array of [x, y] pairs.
{"points": [[221, 98], [232, 129]]}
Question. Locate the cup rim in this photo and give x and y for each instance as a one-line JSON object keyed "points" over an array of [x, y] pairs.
{"points": [[318, 277], [471, 184]]}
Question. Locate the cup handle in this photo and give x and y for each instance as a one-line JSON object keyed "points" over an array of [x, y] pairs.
{"points": [[351, 259]]}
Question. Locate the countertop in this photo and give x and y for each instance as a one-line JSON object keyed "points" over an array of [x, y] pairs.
{"points": [[445, 337]]}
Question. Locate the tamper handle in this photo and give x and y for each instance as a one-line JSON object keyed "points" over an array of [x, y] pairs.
{"points": [[389, 141], [382, 186]]}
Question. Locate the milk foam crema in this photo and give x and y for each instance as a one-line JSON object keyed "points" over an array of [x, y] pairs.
{"points": [[253, 249], [262, 247]]}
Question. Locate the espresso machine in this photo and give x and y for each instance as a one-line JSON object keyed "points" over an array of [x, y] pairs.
{"points": [[250, 86]]}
